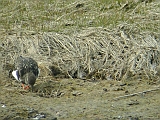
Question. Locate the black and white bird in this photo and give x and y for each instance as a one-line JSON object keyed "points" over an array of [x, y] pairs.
{"points": [[26, 71]]}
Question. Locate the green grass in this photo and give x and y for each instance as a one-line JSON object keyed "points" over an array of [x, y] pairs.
{"points": [[67, 16]]}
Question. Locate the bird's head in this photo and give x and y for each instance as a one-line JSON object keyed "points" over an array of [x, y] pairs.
{"points": [[30, 79]]}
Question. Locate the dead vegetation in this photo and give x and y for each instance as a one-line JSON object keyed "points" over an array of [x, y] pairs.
{"points": [[98, 51]]}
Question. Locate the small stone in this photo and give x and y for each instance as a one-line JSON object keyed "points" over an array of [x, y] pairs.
{"points": [[38, 116], [105, 89], [126, 92], [123, 84], [133, 103], [79, 5], [76, 93], [3, 106]]}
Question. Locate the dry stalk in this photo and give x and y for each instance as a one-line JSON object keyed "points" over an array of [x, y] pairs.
{"points": [[138, 93]]}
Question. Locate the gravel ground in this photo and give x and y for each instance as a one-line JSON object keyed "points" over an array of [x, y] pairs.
{"points": [[68, 99]]}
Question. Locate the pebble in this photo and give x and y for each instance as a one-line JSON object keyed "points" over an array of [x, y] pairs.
{"points": [[3, 106], [105, 89], [38, 116], [76, 93]]}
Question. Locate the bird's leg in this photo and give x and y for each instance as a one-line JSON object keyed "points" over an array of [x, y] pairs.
{"points": [[26, 88], [23, 86]]}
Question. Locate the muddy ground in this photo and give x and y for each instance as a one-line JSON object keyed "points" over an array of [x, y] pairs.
{"points": [[68, 99]]}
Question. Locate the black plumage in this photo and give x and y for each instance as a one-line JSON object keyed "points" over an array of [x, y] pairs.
{"points": [[26, 70]]}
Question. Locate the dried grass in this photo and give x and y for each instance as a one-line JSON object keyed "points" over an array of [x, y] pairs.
{"points": [[123, 52], [92, 53]]}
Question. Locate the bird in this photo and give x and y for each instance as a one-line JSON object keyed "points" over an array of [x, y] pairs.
{"points": [[26, 71]]}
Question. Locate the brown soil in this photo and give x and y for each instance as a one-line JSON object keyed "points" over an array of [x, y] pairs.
{"points": [[67, 99]]}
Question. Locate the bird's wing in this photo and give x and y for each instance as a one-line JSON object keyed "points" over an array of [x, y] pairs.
{"points": [[34, 66], [25, 65]]}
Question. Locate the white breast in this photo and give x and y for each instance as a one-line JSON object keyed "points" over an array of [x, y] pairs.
{"points": [[14, 73]]}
